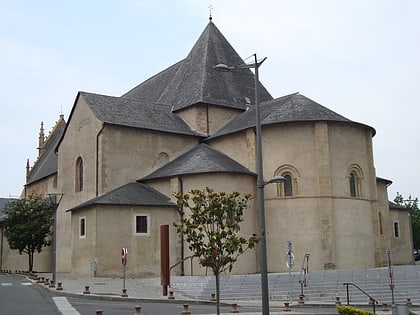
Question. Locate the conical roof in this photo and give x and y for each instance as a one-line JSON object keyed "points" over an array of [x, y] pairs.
{"points": [[193, 80]]}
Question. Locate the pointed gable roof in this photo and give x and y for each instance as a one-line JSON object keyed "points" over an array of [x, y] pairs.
{"points": [[193, 80], [132, 194], [201, 159], [290, 108], [47, 163]]}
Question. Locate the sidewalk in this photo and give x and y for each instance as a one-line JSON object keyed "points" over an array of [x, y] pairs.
{"points": [[149, 289]]}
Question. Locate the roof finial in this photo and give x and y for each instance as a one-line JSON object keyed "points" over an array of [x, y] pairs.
{"points": [[210, 9]]}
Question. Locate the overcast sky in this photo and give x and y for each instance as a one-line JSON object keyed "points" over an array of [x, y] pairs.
{"points": [[359, 58]]}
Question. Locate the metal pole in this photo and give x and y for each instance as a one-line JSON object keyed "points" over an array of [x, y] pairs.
{"points": [[260, 195]]}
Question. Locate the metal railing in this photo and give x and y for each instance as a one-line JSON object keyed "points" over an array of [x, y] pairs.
{"points": [[303, 277], [373, 300]]}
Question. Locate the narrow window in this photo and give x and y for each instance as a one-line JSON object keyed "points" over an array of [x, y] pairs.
{"points": [[82, 227], [381, 230], [141, 224], [288, 186], [396, 229], [79, 175], [353, 188]]}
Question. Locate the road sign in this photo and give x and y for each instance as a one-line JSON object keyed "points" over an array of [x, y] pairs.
{"points": [[124, 256]]}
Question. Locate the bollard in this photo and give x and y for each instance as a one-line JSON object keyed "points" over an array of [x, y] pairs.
{"points": [[59, 286], [408, 302], [385, 307], [138, 310], [47, 281], [171, 295], [124, 293], [337, 300], [99, 312], [213, 297], [40, 280], [234, 308], [286, 307], [86, 290], [301, 299], [52, 284], [186, 311]]}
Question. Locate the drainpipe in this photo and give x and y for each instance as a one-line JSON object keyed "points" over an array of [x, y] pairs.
{"points": [[97, 161], [181, 213]]}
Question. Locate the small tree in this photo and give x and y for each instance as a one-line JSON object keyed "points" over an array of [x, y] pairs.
{"points": [[212, 229], [28, 225], [413, 206]]}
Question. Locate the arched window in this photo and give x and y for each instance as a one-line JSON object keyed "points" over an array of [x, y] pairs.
{"points": [[79, 175], [355, 176], [353, 185], [289, 187]]}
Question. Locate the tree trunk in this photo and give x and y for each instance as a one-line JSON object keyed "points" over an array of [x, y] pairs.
{"points": [[31, 260], [217, 293]]}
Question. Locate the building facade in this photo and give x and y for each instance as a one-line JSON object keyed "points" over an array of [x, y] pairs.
{"points": [[119, 161]]}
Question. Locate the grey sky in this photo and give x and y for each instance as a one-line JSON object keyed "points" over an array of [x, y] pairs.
{"points": [[359, 58]]}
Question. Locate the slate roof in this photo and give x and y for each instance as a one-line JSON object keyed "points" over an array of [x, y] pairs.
{"points": [[201, 159], [47, 163], [132, 194], [290, 108], [393, 205], [138, 114], [193, 80]]}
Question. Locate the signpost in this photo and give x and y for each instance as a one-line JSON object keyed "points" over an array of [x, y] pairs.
{"points": [[124, 262], [290, 261]]}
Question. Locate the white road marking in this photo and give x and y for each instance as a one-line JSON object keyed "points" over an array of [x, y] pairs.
{"points": [[26, 283], [6, 284], [64, 306]]}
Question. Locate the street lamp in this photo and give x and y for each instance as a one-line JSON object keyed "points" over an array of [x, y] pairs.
{"points": [[260, 179], [55, 199]]}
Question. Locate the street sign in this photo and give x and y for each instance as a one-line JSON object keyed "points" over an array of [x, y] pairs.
{"points": [[124, 256]]}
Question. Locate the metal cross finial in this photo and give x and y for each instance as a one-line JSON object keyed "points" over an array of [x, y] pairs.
{"points": [[210, 9]]}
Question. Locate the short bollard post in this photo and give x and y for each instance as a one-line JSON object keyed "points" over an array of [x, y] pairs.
{"points": [[213, 297], [86, 290], [124, 293], [385, 307], [40, 280], [99, 312], [337, 300], [286, 307], [234, 308], [301, 299], [186, 310], [138, 310], [408, 302], [47, 281], [52, 284], [59, 286], [171, 295]]}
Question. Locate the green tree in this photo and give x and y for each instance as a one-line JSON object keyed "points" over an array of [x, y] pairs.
{"points": [[212, 229], [413, 206], [28, 225]]}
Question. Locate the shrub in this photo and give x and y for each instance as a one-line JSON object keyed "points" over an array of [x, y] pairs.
{"points": [[350, 310]]}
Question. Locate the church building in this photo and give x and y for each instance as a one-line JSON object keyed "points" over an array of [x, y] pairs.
{"points": [[118, 160]]}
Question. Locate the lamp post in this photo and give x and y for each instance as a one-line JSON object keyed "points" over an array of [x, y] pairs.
{"points": [[55, 199], [260, 179]]}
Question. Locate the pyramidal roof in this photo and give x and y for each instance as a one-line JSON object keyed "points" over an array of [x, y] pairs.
{"points": [[193, 80]]}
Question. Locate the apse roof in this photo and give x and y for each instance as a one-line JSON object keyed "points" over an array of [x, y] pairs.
{"points": [[193, 80], [132, 194], [201, 159], [290, 108]]}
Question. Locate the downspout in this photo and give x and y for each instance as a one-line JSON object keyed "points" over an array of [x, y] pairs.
{"points": [[97, 161], [181, 213]]}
